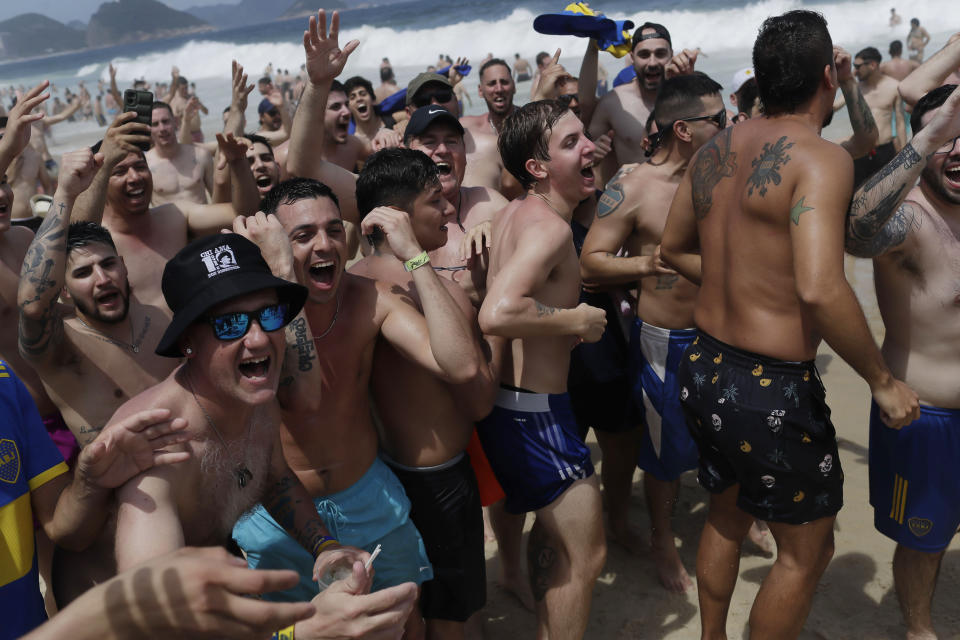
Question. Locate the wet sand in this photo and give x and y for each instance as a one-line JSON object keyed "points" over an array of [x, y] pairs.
{"points": [[855, 599]]}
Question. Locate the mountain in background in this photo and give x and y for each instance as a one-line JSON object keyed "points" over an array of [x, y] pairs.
{"points": [[226, 16], [135, 20], [309, 7], [32, 34]]}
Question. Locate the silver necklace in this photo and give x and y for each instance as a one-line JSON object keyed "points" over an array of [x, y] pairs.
{"points": [[549, 204], [332, 322], [241, 472], [132, 345]]}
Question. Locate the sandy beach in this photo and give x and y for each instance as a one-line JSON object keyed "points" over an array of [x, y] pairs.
{"points": [[855, 599]]}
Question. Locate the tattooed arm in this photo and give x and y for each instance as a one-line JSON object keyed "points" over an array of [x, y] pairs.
{"points": [[292, 507], [865, 133], [816, 221], [43, 272], [510, 310], [874, 204], [617, 213]]}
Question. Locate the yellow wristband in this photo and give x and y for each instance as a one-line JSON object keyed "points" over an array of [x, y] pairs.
{"points": [[283, 634], [325, 542], [417, 261]]}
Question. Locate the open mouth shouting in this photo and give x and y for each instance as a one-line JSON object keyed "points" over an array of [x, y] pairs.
{"points": [[322, 274], [951, 172], [255, 369]]}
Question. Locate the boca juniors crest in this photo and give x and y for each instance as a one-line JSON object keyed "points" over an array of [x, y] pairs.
{"points": [[919, 526], [9, 461]]}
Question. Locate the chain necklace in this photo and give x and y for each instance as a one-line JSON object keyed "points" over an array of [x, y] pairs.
{"points": [[332, 322], [241, 472], [549, 204], [133, 345]]}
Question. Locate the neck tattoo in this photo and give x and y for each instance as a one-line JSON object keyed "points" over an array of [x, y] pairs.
{"points": [[241, 472], [133, 345], [332, 322]]}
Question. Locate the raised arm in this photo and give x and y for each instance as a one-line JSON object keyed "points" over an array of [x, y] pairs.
{"points": [[238, 100], [587, 87], [865, 133], [510, 310], [16, 134], [931, 74], [114, 89], [71, 109], [43, 273], [324, 62], [871, 218], [816, 234], [119, 141], [441, 340]]}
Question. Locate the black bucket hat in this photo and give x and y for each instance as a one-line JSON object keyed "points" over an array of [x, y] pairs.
{"points": [[214, 269]]}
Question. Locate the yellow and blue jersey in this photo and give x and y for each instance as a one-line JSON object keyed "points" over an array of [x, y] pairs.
{"points": [[28, 460]]}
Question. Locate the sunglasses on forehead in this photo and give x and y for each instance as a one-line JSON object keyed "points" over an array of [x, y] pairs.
{"points": [[234, 325], [423, 99]]}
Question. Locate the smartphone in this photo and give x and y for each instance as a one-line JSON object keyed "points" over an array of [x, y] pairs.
{"points": [[140, 102]]}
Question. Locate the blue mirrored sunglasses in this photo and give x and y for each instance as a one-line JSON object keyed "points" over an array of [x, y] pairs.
{"points": [[234, 325]]}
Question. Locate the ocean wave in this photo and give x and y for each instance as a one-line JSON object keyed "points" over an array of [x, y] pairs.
{"points": [[88, 69], [727, 30]]}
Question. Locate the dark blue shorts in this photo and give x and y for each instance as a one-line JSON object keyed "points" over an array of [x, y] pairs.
{"points": [[534, 449], [914, 488], [666, 447], [763, 424]]}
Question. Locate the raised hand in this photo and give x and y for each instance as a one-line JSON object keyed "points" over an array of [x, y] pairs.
{"points": [[16, 135], [475, 240], [132, 445], [231, 149], [324, 58], [397, 229], [122, 137], [841, 59], [681, 64], [945, 125], [455, 75], [240, 88], [77, 169], [267, 233], [552, 75]]}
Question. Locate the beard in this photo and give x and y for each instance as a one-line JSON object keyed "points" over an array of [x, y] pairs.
{"points": [[935, 181], [95, 314]]}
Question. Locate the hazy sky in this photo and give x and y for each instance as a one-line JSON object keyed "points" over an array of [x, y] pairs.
{"points": [[67, 10]]}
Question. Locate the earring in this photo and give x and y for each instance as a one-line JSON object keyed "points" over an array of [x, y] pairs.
{"points": [[188, 351]]}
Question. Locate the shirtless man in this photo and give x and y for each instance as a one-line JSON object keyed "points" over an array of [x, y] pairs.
{"points": [[521, 68], [757, 221], [178, 98], [371, 127], [484, 166], [180, 171], [915, 257], [917, 40], [896, 67], [388, 83], [631, 215], [13, 247], [339, 147], [625, 109], [427, 422], [274, 118], [439, 134], [23, 174], [147, 237], [942, 68], [895, 18], [96, 354], [879, 94], [533, 286], [229, 307]]}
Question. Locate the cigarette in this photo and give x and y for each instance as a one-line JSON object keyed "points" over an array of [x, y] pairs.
{"points": [[373, 556]]}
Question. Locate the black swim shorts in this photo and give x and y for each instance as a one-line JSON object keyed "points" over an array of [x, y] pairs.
{"points": [[445, 506], [763, 424]]}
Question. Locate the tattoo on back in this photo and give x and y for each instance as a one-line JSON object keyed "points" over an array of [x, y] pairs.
{"points": [[797, 209], [611, 199], [713, 163], [767, 166]]}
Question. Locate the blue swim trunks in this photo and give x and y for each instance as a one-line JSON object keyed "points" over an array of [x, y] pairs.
{"points": [[666, 447], [375, 510], [913, 481], [533, 446]]}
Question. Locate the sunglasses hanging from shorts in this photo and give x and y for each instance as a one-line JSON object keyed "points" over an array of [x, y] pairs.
{"points": [[422, 100], [234, 325]]}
